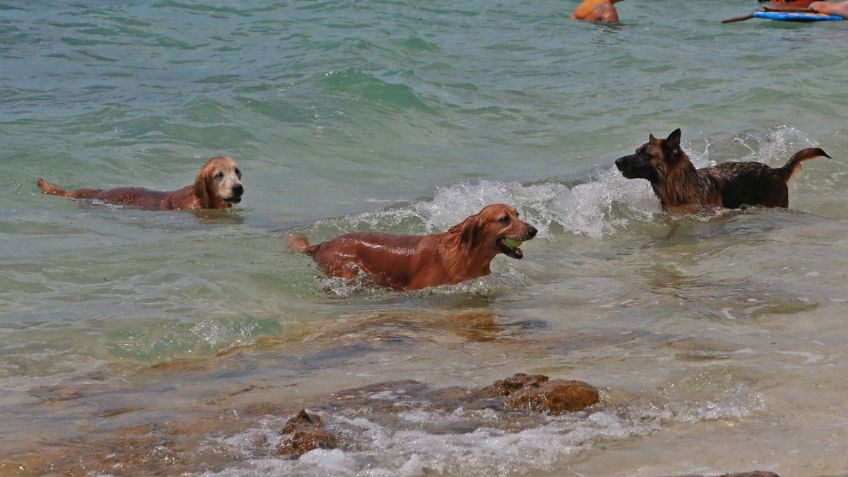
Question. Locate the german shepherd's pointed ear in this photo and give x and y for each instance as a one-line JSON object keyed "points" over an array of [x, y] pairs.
{"points": [[673, 141], [468, 230], [651, 138]]}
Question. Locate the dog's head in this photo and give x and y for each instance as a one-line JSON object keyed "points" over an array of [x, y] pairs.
{"points": [[495, 229], [218, 185], [653, 159]]}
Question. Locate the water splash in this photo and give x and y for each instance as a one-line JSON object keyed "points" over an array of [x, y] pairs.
{"points": [[164, 340], [775, 146], [597, 208], [507, 277], [408, 447]]}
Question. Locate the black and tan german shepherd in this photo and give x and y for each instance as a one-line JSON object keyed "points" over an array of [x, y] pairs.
{"points": [[732, 184]]}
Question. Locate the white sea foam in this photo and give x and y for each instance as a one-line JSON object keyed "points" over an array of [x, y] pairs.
{"points": [[256, 441], [586, 209], [410, 449], [775, 147], [597, 208]]}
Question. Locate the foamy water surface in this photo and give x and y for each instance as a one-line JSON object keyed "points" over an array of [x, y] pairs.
{"points": [[136, 342]]}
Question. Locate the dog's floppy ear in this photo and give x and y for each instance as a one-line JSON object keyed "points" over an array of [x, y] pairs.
{"points": [[468, 230], [200, 189], [204, 190], [673, 141]]}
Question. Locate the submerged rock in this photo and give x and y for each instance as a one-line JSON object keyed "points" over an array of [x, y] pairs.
{"points": [[534, 393], [756, 473], [539, 393], [303, 433], [556, 397], [507, 386]]}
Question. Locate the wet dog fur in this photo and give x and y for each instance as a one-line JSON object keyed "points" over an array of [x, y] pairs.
{"points": [[217, 186], [732, 185], [408, 262]]}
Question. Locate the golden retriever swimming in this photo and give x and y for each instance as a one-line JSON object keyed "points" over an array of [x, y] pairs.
{"points": [[217, 186]]}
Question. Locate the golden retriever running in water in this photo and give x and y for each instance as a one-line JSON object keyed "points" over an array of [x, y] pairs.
{"points": [[408, 262]]}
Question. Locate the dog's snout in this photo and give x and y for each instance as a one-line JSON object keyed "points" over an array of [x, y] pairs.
{"points": [[531, 232], [238, 190], [619, 163]]}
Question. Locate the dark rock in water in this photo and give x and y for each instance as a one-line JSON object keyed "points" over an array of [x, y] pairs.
{"points": [[538, 393], [303, 433], [507, 386], [555, 397], [756, 473]]}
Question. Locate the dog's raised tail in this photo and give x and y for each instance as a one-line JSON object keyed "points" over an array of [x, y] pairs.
{"points": [[52, 189], [793, 165], [299, 244]]}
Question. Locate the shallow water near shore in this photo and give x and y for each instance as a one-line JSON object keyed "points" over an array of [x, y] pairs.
{"points": [[136, 342]]}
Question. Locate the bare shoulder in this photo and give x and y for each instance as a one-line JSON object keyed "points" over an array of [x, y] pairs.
{"points": [[607, 13]]}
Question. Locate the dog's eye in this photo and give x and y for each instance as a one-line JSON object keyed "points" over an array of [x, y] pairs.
{"points": [[219, 175], [505, 218]]}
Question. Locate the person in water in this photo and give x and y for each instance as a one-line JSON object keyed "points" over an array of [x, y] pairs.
{"points": [[597, 11], [831, 8], [788, 3]]}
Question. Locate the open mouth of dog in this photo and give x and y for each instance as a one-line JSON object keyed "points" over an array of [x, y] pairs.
{"points": [[233, 200], [510, 247]]}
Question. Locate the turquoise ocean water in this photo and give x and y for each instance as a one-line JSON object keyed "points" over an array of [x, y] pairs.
{"points": [[406, 117]]}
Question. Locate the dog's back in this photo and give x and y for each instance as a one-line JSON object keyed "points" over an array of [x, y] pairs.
{"points": [[754, 183], [391, 260], [130, 196]]}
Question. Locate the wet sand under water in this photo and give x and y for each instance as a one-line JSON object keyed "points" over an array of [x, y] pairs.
{"points": [[225, 413]]}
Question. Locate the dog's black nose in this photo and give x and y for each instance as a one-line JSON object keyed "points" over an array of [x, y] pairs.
{"points": [[532, 231], [238, 190], [619, 163]]}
